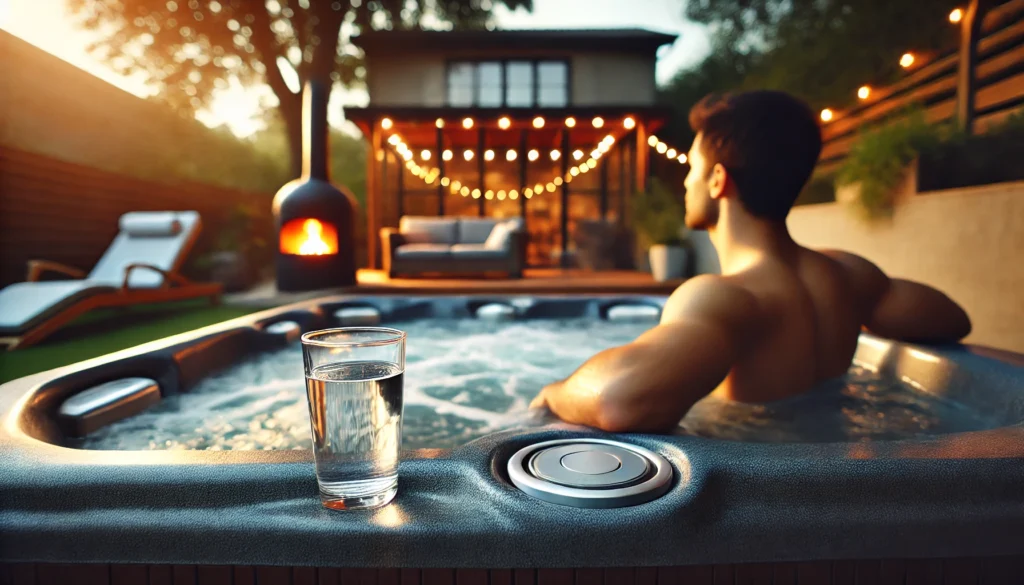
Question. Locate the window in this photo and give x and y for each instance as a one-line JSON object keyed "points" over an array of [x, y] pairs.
{"points": [[514, 84]]}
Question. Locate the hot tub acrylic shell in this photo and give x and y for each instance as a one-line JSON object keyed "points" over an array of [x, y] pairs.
{"points": [[947, 505]]}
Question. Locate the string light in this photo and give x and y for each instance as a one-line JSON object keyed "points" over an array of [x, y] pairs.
{"points": [[467, 123], [465, 192], [394, 139], [446, 155], [425, 155], [407, 155], [488, 155], [445, 181], [671, 153], [489, 195], [538, 122], [628, 123], [476, 193], [528, 192], [386, 123], [501, 195], [467, 154], [538, 188], [682, 159], [577, 154], [439, 123], [556, 154], [504, 123], [864, 92], [557, 181], [533, 155], [513, 194], [826, 115], [598, 122], [652, 141], [574, 171], [551, 187], [907, 60], [570, 122], [595, 153], [661, 147], [956, 16], [510, 155]]}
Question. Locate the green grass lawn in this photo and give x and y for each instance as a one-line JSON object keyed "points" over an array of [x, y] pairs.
{"points": [[102, 332]]}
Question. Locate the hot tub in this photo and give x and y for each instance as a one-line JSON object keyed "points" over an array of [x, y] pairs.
{"points": [[946, 505]]}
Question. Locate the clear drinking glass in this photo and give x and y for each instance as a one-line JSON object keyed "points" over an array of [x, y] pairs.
{"points": [[354, 388]]}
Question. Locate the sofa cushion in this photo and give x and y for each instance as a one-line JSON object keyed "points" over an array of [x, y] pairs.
{"points": [[423, 251], [474, 230], [500, 237], [428, 230], [477, 252]]}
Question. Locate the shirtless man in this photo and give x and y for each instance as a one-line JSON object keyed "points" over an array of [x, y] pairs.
{"points": [[780, 318]]}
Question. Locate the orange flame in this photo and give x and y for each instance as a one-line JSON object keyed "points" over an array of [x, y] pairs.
{"points": [[308, 237]]}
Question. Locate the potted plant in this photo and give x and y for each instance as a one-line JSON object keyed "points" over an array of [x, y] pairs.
{"points": [[881, 168], [658, 219]]}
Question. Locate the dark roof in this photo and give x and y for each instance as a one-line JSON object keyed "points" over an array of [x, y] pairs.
{"points": [[631, 39]]}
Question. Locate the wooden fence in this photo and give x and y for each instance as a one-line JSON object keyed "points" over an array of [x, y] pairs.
{"points": [[999, 88], [55, 210]]}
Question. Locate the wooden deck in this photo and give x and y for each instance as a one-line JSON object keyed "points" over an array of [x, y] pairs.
{"points": [[534, 281]]}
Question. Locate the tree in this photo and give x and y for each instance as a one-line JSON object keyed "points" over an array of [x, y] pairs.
{"points": [[189, 48]]}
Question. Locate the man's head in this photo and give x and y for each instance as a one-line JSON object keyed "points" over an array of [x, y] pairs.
{"points": [[758, 147]]}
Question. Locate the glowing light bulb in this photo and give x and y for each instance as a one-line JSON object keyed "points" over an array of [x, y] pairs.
{"points": [[476, 193], [467, 123], [671, 153], [652, 141], [598, 122], [501, 195], [528, 192], [439, 123], [464, 191], [826, 115], [425, 155], [510, 155], [488, 154], [556, 154], [595, 153], [504, 123], [407, 155], [533, 155], [907, 60], [628, 123], [577, 154], [570, 122], [591, 163], [446, 155], [393, 140], [538, 122], [864, 92], [456, 185], [489, 195], [386, 123], [557, 181], [445, 181], [574, 171], [956, 16], [661, 148], [551, 187], [682, 159], [513, 194], [467, 154], [538, 188]]}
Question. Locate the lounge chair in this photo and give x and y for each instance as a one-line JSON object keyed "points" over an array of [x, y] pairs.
{"points": [[141, 266]]}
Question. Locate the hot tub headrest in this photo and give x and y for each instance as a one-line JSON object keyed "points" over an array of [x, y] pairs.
{"points": [[160, 224]]}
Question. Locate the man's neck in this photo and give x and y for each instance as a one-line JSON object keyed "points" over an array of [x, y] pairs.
{"points": [[742, 240]]}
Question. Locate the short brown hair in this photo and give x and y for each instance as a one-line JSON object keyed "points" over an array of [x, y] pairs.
{"points": [[768, 141]]}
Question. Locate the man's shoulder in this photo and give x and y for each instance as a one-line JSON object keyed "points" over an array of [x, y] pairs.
{"points": [[710, 296]]}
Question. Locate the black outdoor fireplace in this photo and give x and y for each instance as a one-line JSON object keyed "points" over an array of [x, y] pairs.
{"points": [[314, 219]]}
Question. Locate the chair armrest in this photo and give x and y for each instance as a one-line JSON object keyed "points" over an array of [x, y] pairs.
{"points": [[390, 238], [169, 277], [518, 244], [36, 268]]}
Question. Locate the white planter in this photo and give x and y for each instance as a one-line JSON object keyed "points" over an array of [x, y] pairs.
{"points": [[667, 262]]}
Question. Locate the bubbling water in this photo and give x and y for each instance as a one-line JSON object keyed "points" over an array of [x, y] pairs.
{"points": [[466, 378]]}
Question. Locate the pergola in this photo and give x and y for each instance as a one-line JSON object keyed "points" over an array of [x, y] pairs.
{"points": [[550, 166]]}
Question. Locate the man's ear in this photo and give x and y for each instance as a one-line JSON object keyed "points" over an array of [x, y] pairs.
{"points": [[718, 182]]}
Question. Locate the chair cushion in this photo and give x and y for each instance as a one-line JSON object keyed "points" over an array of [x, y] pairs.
{"points": [[423, 251], [428, 230], [26, 304], [477, 252], [150, 224], [473, 230], [166, 253]]}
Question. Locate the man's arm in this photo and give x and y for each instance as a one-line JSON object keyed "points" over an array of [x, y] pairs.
{"points": [[650, 384], [902, 309]]}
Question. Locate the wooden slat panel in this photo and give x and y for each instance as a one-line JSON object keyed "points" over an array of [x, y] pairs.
{"points": [[619, 576], [67, 574], [411, 577], [22, 573], [697, 575], [304, 576], [868, 572], [892, 572], [128, 574], [1002, 571], [160, 575], [668, 576], [246, 575], [724, 574], [585, 577], [960, 571], [844, 573], [521, 577], [214, 575], [438, 577], [646, 576], [555, 576], [754, 574], [273, 576], [814, 573], [184, 574], [327, 576], [921, 572], [388, 577], [471, 577]]}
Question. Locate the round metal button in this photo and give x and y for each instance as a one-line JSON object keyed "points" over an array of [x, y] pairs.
{"points": [[589, 465]]}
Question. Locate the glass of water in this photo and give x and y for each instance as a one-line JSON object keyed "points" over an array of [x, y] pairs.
{"points": [[354, 388]]}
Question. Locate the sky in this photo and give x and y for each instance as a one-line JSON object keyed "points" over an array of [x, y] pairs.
{"points": [[45, 24]]}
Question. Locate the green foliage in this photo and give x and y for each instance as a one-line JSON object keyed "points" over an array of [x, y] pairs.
{"points": [[879, 159], [658, 216], [980, 159]]}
